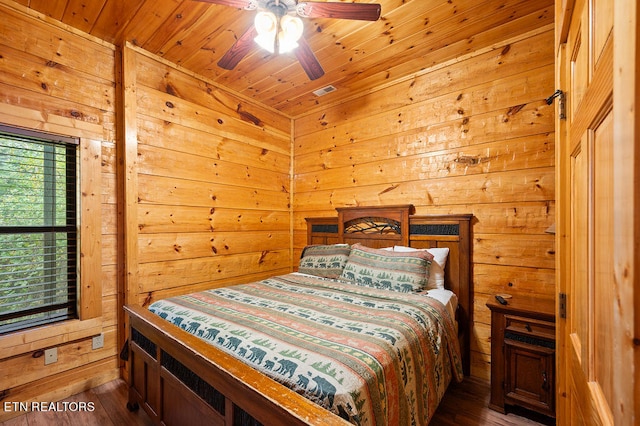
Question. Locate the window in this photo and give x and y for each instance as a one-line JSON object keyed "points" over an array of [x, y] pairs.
{"points": [[38, 229]]}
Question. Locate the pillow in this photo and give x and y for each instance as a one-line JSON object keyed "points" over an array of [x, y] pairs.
{"points": [[436, 272], [325, 261], [379, 268]]}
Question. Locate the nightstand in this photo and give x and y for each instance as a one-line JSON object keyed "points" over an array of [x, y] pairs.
{"points": [[523, 354]]}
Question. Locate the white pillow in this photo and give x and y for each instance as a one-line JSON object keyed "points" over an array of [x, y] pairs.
{"points": [[436, 272]]}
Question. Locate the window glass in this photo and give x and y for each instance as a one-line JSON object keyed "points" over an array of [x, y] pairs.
{"points": [[38, 229]]}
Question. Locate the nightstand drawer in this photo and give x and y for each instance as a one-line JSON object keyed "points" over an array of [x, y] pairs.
{"points": [[530, 327]]}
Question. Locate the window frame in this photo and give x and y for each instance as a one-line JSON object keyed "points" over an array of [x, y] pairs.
{"points": [[47, 227], [95, 195], [90, 304]]}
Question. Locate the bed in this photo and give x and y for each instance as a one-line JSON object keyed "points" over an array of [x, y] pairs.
{"points": [[337, 348]]}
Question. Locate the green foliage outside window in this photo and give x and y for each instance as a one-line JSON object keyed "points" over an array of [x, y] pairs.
{"points": [[37, 231]]}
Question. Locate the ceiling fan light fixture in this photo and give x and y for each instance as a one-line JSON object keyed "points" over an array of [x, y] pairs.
{"points": [[276, 21], [277, 27], [291, 28], [266, 24]]}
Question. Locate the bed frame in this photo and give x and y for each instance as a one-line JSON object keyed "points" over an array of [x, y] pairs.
{"points": [[179, 379]]}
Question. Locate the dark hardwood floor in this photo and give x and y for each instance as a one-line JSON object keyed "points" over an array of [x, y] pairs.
{"points": [[109, 401], [464, 404], [467, 404]]}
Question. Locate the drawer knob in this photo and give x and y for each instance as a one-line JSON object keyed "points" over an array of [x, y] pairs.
{"points": [[528, 327]]}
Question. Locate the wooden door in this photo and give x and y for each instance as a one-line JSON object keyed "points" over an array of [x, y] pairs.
{"points": [[595, 187]]}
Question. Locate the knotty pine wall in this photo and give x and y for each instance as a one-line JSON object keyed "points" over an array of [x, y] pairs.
{"points": [[470, 136], [210, 182], [59, 81]]}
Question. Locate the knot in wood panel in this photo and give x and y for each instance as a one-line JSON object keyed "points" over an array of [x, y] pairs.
{"points": [[469, 160]]}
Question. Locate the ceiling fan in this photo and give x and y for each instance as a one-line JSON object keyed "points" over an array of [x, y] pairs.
{"points": [[278, 28]]}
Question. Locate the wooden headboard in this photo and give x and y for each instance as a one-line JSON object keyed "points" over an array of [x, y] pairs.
{"points": [[387, 226]]}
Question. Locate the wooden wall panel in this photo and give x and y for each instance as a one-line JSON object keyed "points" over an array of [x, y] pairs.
{"points": [[161, 190], [212, 191], [473, 135], [215, 98], [199, 219], [183, 273], [502, 187], [56, 80]]}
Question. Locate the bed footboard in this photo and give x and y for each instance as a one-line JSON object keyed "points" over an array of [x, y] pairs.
{"points": [[178, 379]]}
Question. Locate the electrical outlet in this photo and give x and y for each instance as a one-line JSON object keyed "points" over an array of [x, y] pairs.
{"points": [[97, 342], [50, 356]]}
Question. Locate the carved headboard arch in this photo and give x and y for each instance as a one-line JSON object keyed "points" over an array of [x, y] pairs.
{"points": [[390, 223]]}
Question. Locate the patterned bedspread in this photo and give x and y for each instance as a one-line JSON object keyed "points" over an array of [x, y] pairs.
{"points": [[374, 357]]}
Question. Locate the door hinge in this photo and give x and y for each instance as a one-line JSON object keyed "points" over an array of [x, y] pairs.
{"points": [[562, 305], [561, 110]]}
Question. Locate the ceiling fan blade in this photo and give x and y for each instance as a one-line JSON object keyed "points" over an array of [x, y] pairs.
{"points": [[239, 49], [241, 4], [358, 11], [308, 60]]}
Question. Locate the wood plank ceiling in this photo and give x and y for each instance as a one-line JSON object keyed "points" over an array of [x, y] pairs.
{"points": [[356, 55]]}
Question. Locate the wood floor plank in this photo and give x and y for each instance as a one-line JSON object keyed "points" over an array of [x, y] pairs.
{"points": [[16, 421], [113, 397], [466, 404], [98, 417], [44, 418]]}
